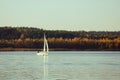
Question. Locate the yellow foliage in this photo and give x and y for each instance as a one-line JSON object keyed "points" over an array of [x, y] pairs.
{"points": [[27, 39], [22, 36], [60, 39], [67, 40], [117, 40], [75, 39], [85, 40], [19, 40], [51, 39]]}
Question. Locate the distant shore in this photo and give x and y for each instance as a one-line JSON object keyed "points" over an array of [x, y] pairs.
{"points": [[56, 49], [31, 39]]}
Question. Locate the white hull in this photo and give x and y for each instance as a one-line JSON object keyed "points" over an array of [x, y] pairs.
{"points": [[42, 53]]}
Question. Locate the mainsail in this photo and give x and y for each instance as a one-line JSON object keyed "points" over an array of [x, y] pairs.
{"points": [[45, 48]]}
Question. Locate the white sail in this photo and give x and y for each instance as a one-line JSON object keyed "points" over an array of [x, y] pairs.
{"points": [[45, 44], [45, 48]]}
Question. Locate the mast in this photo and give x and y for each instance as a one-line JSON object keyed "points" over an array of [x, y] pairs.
{"points": [[45, 44]]}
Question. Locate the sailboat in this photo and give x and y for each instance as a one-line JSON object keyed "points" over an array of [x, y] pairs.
{"points": [[45, 48]]}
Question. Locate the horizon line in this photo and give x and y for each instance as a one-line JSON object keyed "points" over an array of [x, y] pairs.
{"points": [[62, 29]]}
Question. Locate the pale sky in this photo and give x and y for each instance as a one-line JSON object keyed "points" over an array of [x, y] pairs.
{"points": [[88, 15]]}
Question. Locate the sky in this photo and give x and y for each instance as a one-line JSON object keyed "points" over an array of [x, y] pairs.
{"points": [[74, 15]]}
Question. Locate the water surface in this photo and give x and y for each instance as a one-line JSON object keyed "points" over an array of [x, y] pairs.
{"points": [[63, 65]]}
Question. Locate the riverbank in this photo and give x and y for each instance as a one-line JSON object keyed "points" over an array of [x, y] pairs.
{"points": [[57, 49]]}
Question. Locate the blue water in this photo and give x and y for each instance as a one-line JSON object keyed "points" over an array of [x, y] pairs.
{"points": [[60, 65]]}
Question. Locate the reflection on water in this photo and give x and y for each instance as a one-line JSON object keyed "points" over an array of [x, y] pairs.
{"points": [[45, 67], [60, 66]]}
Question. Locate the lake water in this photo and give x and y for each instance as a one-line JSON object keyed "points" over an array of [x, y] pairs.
{"points": [[77, 65]]}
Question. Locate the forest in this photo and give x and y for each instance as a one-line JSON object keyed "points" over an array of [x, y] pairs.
{"points": [[32, 38]]}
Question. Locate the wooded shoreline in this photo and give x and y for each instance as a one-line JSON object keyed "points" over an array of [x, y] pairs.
{"points": [[31, 39], [58, 49]]}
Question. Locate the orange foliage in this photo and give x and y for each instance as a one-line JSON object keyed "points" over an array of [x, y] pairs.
{"points": [[60, 39], [27, 39], [51, 39], [19, 40], [75, 40]]}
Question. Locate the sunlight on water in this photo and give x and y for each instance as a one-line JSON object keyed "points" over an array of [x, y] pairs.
{"points": [[60, 66], [45, 67]]}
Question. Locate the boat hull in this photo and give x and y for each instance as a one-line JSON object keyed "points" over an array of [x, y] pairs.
{"points": [[42, 53]]}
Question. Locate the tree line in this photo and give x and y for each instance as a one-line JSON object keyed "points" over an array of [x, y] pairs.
{"points": [[26, 37]]}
